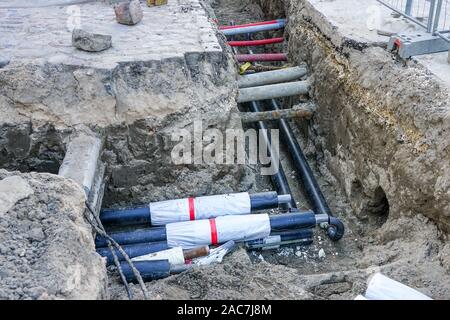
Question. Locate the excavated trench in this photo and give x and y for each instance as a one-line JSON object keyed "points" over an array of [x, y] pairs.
{"points": [[380, 236], [378, 162]]}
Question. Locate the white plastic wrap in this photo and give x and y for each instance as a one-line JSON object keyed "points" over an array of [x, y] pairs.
{"points": [[193, 234], [174, 255], [383, 288], [207, 207]]}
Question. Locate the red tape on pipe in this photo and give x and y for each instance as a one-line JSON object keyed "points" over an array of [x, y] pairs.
{"points": [[212, 223], [191, 209]]}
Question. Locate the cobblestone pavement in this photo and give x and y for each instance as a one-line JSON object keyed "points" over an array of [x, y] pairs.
{"points": [[43, 33]]}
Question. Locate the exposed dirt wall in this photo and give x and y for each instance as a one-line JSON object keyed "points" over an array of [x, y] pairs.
{"points": [[382, 125]]}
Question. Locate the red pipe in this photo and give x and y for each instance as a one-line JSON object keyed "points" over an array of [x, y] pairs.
{"points": [[248, 25], [255, 42], [261, 57]]}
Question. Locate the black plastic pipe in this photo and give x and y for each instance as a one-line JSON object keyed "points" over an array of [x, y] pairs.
{"points": [[279, 179], [136, 236], [312, 189], [133, 250], [292, 221], [294, 234], [142, 214], [299, 237], [149, 270]]}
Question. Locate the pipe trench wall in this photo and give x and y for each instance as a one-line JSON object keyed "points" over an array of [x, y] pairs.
{"points": [[138, 154], [137, 107], [381, 128]]}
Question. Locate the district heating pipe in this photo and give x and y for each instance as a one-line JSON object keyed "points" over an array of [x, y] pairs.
{"points": [[192, 234], [271, 77], [140, 249], [306, 176], [164, 212], [236, 30], [261, 57], [273, 91], [251, 24], [250, 43]]}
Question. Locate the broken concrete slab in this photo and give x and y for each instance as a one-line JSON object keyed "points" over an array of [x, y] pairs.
{"points": [[129, 13], [92, 42], [12, 190], [80, 162]]}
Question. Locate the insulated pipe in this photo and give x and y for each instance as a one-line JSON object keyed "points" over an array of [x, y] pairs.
{"points": [[251, 43], [192, 234], [137, 236], [292, 221], [306, 176], [261, 57], [279, 179], [144, 214], [273, 91], [271, 77], [134, 250], [149, 270], [251, 24], [253, 29]]}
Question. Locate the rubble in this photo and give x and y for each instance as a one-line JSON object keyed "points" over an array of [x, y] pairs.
{"points": [[46, 247], [129, 13], [92, 42]]}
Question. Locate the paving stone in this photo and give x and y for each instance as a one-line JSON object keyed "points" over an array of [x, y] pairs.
{"points": [[92, 42], [129, 13]]}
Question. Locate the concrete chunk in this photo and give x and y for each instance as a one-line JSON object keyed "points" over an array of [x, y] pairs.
{"points": [[129, 13], [92, 42], [12, 190], [80, 162]]}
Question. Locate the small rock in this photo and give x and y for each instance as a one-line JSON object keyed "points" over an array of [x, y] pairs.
{"points": [[129, 13], [36, 234], [322, 254], [91, 42], [3, 61]]}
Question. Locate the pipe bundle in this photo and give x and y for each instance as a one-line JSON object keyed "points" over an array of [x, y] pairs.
{"points": [[163, 212]]}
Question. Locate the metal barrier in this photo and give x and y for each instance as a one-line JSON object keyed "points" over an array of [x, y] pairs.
{"points": [[432, 15]]}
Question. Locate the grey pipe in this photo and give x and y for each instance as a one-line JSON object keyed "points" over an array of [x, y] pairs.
{"points": [[273, 91], [271, 77]]}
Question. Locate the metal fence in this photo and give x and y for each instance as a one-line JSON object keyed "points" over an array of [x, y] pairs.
{"points": [[432, 15]]}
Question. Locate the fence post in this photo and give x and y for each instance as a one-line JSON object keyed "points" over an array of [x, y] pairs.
{"points": [[408, 7], [437, 16], [431, 15]]}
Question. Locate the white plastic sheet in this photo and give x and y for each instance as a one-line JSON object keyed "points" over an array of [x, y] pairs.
{"points": [[171, 211], [193, 234], [383, 288], [174, 255]]}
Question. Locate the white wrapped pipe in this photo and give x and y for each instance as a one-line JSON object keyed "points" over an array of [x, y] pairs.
{"points": [[271, 77], [383, 288], [273, 91], [175, 256], [199, 208], [191, 234]]}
